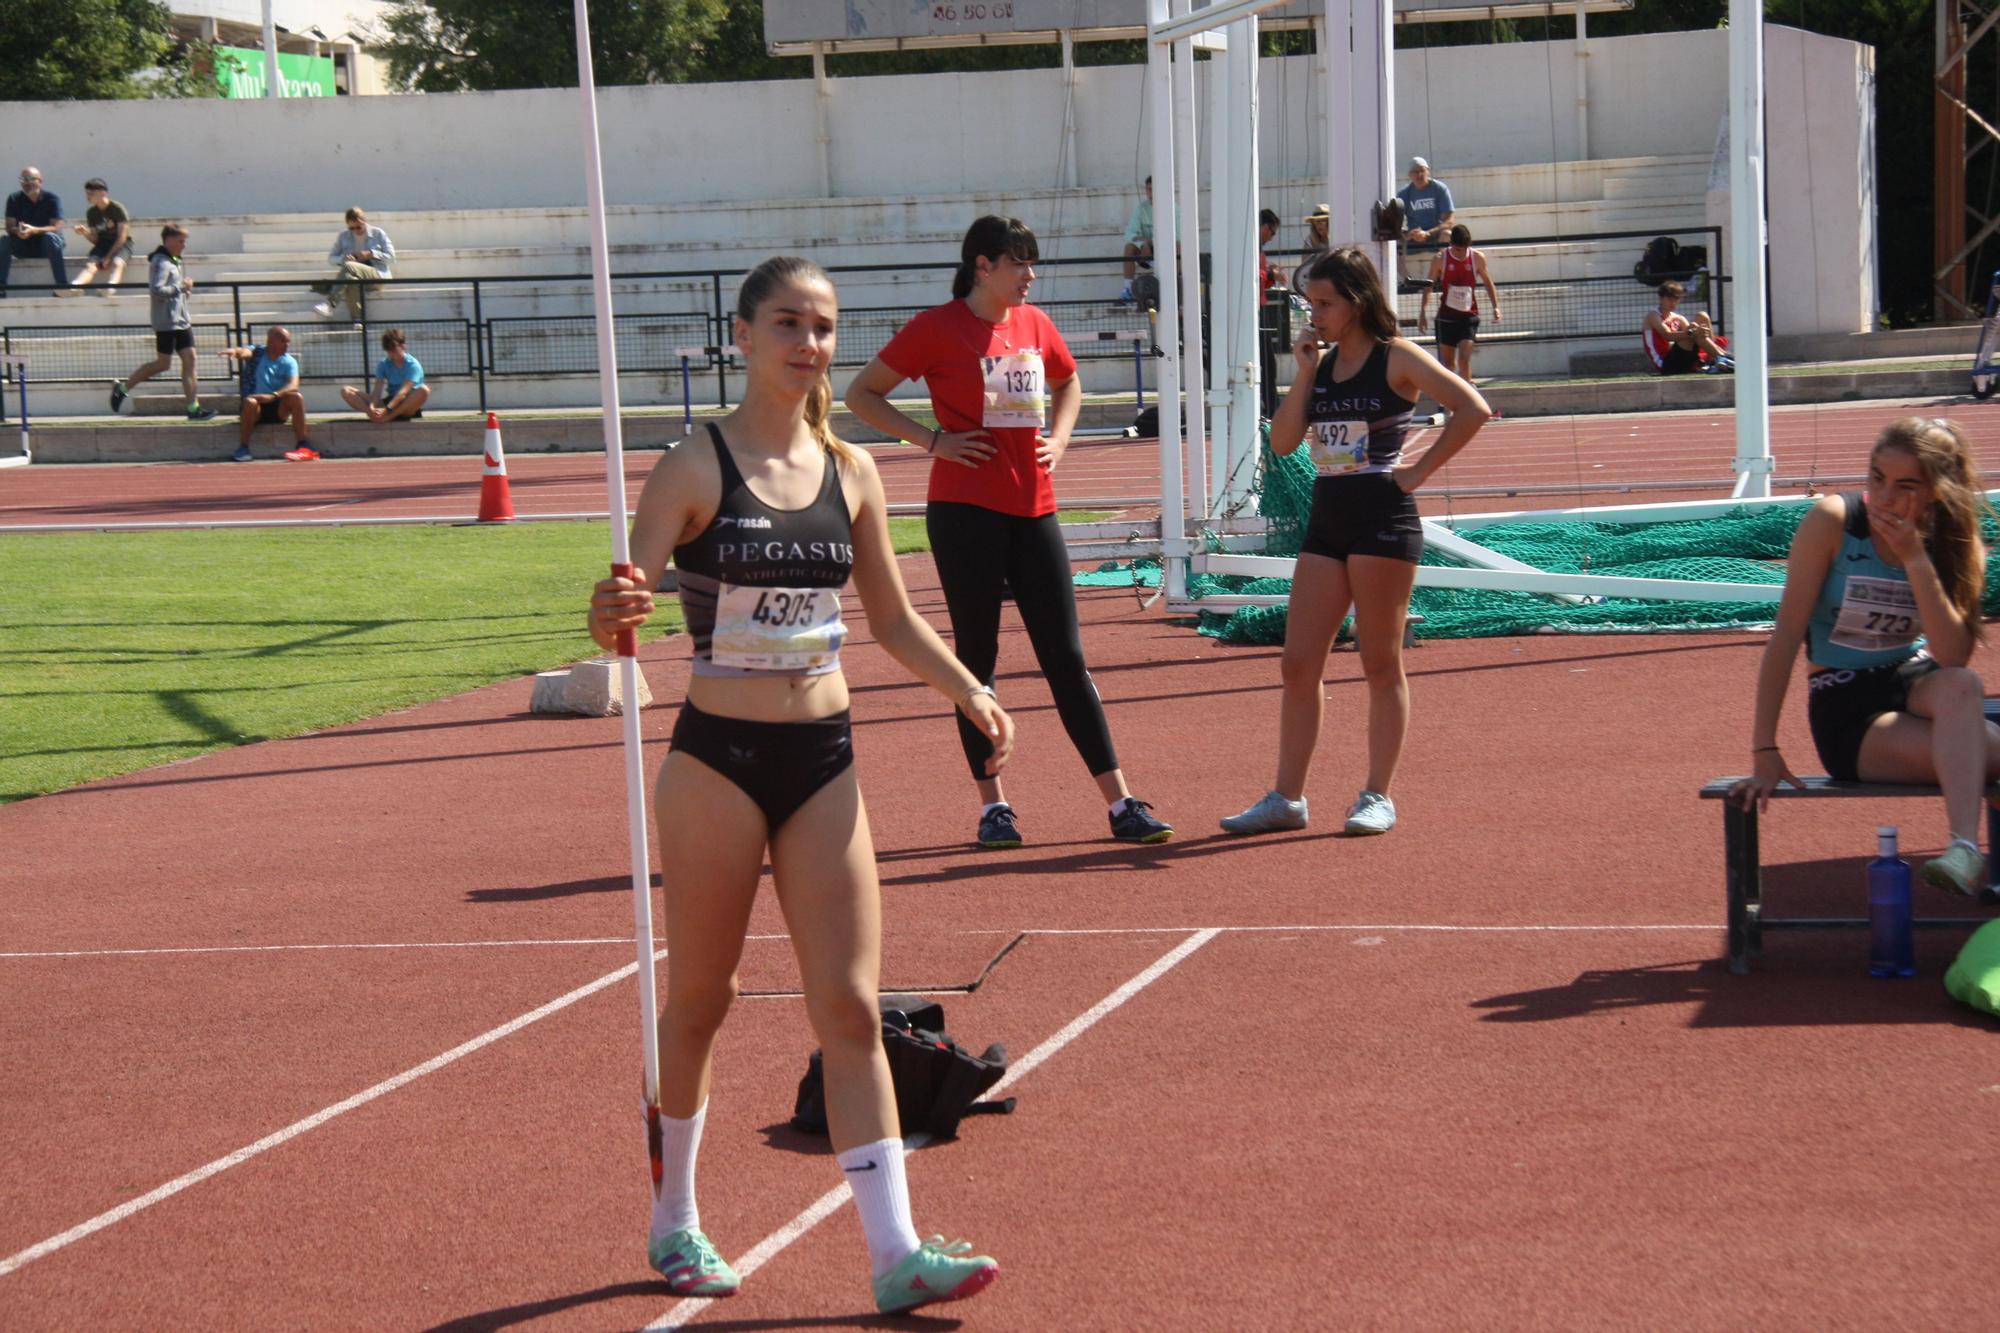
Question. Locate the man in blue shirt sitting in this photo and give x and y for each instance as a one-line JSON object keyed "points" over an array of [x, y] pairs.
{"points": [[34, 230], [271, 393], [400, 391], [1427, 214]]}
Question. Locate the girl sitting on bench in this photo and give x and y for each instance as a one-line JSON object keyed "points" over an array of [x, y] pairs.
{"points": [[1883, 588]]}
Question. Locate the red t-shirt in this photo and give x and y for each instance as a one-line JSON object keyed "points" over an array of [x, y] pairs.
{"points": [[952, 351]]}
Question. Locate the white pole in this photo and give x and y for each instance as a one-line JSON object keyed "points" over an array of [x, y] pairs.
{"points": [[1225, 241], [1383, 178], [1582, 88], [1336, 55], [1069, 176], [1245, 405], [1188, 180], [273, 84], [822, 116], [621, 564], [1746, 247], [1173, 501]]}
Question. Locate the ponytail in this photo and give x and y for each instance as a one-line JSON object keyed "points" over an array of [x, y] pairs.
{"points": [[988, 238], [757, 288]]}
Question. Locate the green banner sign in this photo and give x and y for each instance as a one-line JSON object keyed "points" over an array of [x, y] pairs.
{"points": [[240, 70]]}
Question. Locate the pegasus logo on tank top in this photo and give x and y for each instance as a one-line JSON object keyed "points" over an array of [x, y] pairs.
{"points": [[1366, 406], [779, 552]]}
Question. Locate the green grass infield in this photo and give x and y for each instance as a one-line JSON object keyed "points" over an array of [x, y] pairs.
{"points": [[119, 651]]}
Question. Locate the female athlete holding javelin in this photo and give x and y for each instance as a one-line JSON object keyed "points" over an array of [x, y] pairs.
{"points": [[1363, 537], [990, 361], [766, 520], [1882, 587]]}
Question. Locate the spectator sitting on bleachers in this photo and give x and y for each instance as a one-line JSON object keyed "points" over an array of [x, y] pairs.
{"points": [[400, 391], [1138, 242], [271, 394], [361, 252], [108, 228], [34, 230], [1427, 214], [1676, 344]]}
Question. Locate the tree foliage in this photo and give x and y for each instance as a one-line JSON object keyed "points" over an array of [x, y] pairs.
{"points": [[482, 45], [55, 50]]}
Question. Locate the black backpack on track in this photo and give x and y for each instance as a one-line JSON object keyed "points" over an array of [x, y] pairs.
{"points": [[938, 1082]]}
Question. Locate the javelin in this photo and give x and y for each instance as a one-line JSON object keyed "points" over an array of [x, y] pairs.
{"points": [[621, 567]]}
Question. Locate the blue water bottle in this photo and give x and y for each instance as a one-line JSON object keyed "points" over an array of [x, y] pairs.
{"points": [[1889, 946]]}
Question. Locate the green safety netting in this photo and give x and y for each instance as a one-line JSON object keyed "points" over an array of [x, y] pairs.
{"points": [[1746, 545]]}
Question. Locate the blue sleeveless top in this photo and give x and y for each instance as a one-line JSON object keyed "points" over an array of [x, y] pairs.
{"points": [[1867, 612]]}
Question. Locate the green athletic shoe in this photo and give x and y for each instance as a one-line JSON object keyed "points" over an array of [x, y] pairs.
{"points": [[1961, 869], [691, 1265], [936, 1272]]}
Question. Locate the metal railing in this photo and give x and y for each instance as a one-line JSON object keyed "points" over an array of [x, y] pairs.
{"points": [[676, 322]]}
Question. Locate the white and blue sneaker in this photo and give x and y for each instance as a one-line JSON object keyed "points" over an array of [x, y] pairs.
{"points": [[1372, 812], [1273, 813]]}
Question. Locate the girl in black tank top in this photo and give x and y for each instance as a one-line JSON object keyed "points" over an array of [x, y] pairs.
{"points": [[763, 766], [1351, 407]]}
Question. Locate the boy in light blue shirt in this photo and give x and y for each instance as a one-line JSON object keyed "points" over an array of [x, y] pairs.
{"points": [[400, 391]]}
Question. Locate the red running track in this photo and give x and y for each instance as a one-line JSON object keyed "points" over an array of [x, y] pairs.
{"points": [[1553, 461], [1484, 1072]]}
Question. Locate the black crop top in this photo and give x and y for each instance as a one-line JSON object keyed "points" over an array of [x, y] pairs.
{"points": [[760, 586], [1357, 424]]}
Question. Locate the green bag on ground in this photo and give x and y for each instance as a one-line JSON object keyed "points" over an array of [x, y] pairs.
{"points": [[1974, 977]]}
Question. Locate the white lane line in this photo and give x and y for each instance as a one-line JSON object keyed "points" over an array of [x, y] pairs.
{"points": [[1433, 929], [313, 1121], [307, 948], [828, 1203]]}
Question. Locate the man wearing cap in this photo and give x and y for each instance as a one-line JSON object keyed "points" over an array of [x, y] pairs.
{"points": [[1316, 245], [1427, 214], [1138, 242]]}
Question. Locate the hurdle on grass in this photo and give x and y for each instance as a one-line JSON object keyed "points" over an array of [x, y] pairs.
{"points": [[15, 366], [1206, 473], [621, 567]]}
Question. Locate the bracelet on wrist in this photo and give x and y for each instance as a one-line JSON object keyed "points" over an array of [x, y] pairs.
{"points": [[965, 700], [931, 448], [1764, 749]]}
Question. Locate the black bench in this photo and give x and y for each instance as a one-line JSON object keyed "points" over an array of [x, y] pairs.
{"points": [[1743, 866]]}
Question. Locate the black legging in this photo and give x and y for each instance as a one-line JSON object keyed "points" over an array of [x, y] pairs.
{"points": [[980, 554]]}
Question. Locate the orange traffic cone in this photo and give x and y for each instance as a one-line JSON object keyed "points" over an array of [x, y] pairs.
{"points": [[496, 503]]}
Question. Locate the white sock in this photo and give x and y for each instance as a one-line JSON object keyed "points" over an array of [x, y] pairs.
{"points": [[1118, 806], [991, 806], [881, 1195], [674, 1209], [1967, 842]]}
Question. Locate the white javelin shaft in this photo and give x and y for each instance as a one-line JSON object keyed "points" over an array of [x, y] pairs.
{"points": [[621, 552]]}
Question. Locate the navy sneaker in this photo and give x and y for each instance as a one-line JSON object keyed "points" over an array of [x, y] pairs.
{"points": [[242, 454], [996, 828], [118, 396], [200, 413], [1133, 824]]}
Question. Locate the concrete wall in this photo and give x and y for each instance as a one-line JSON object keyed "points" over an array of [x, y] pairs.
{"points": [[942, 134]]}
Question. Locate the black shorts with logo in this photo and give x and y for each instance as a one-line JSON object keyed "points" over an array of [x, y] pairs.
{"points": [[1843, 702], [1455, 329], [1363, 514]]}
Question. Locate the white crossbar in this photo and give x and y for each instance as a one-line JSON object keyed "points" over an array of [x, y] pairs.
{"points": [[1510, 580]]}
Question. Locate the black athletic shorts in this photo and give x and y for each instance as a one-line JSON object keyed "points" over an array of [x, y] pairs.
{"points": [[1363, 514], [1455, 329], [172, 340], [1679, 360], [102, 253], [778, 765], [268, 414], [1843, 702]]}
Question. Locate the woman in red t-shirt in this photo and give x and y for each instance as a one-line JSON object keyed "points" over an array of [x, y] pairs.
{"points": [[990, 361]]}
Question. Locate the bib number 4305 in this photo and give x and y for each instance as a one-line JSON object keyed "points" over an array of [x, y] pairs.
{"points": [[781, 609]]}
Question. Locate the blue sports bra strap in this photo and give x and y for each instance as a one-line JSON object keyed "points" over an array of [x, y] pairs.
{"points": [[732, 477]]}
